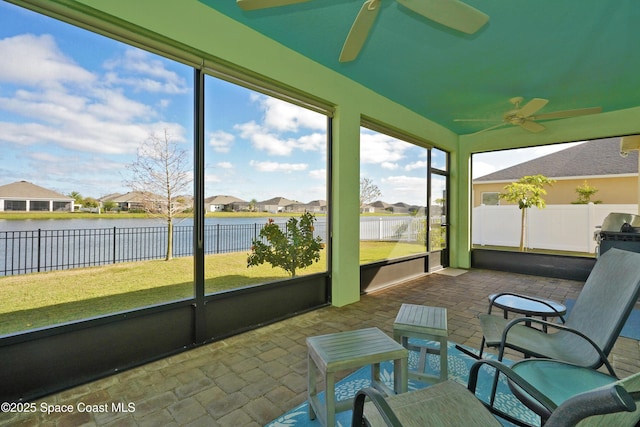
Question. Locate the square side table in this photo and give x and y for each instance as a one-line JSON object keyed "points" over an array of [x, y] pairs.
{"points": [[329, 354], [419, 321]]}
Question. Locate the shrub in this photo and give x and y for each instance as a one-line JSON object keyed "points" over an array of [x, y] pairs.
{"points": [[291, 249]]}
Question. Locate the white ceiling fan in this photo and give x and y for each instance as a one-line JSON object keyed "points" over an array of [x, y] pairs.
{"points": [[526, 116], [451, 13]]}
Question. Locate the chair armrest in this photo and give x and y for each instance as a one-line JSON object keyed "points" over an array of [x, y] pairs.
{"points": [[516, 379], [379, 402], [530, 298], [596, 402], [514, 322]]}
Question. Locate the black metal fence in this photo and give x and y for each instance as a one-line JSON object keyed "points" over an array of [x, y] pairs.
{"points": [[23, 252]]}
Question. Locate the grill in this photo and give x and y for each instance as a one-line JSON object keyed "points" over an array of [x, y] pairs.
{"points": [[619, 230]]}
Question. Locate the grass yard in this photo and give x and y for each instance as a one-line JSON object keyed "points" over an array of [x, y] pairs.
{"points": [[42, 299]]}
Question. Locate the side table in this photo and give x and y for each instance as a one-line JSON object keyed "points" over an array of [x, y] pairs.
{"points": [[329, 354], [419, 321]]}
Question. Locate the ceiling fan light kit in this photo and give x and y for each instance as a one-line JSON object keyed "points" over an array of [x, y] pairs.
{"points": [[450, 13]]}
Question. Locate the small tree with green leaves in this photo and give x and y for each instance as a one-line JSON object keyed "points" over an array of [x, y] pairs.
{"points": [[585, 193], [291, 249], [526, 192]]}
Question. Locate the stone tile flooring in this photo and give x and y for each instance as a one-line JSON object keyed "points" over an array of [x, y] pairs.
{"points": [[252, 378]]}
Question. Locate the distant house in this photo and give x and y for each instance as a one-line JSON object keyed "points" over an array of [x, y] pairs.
{"points": [[367, 209], [135, 201], [274, 205], [223, 204], [315, 206], [28, 197], [597, 162]]}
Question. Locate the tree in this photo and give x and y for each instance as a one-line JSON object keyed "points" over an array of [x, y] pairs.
{"points": [[369, 192], [109, 205], [78, 200], [291, 249], [162, 174], [527, 192], [585, 192]]}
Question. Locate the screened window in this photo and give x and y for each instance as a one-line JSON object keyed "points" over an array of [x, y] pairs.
{"points": [[77, 109], [393, 197], [265, 170]]}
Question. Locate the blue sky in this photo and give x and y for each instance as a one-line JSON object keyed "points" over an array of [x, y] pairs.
{"points": [[75, 106]]}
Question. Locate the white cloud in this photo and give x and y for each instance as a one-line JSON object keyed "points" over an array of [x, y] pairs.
{"points": [[58, 102], [286, 117], [212, 179], [221, 141], [379, 148], [421, 164], [271, 142], [224, 165], [403, 188], [36, 61], [277, 167], [389, 165], [143, 72], [318, 174]]}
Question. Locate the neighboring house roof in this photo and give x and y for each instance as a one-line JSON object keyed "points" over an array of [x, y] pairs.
{"points": [[593, 158], [280, 201], [109, 197], [222, 200], [133, 196], [380, 204], [320, 203], [27, 190]]}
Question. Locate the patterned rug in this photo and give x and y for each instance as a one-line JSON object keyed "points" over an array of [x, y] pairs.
{"points": [[459, 366]]}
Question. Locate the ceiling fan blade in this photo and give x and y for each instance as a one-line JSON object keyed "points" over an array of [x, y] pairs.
{"points": [[264, 4], [451, 13], [490, 128], [532, 107], [532, 126], [360, 30], [569, 113]]}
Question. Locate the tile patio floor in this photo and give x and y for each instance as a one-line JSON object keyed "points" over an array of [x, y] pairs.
{"points": [[252, 378]]}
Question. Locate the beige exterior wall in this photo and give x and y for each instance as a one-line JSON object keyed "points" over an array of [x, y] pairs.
{"points": [[611, 190]]}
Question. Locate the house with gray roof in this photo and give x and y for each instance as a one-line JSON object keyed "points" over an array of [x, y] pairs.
{"points": [[28, 197], [222, 203], [597, 163], [136, 201], [274, 205]]}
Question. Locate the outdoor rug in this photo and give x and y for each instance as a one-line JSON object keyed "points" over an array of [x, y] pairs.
{"points": [[631, 329], [459, 366]]}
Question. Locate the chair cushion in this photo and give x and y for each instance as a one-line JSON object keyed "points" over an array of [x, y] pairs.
{"points": [[556, 380], [444, 404]]}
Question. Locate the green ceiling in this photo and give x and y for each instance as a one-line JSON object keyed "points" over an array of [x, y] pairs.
{"points": [[576, 54]]}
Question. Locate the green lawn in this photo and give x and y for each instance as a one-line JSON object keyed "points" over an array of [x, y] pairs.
{"points": [[42, 299]]}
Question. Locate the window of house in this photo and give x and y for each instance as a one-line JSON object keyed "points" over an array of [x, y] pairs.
{"points": [[490, 198]]}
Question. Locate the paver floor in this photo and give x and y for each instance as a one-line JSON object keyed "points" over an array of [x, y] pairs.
{"points": [[252, 378]]}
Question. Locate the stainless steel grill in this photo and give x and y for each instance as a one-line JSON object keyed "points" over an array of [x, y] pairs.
{"points": [[619, 230]]}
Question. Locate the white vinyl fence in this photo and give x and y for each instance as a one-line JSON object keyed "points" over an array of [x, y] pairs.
{"points": [[558, 227]]}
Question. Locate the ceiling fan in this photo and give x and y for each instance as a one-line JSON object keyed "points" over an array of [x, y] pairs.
{"points": [[526, 116], [451, 13]]}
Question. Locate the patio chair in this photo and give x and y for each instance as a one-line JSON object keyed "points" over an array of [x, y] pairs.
{"points": [[559, 381], [450, 404], [593, 325]]}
